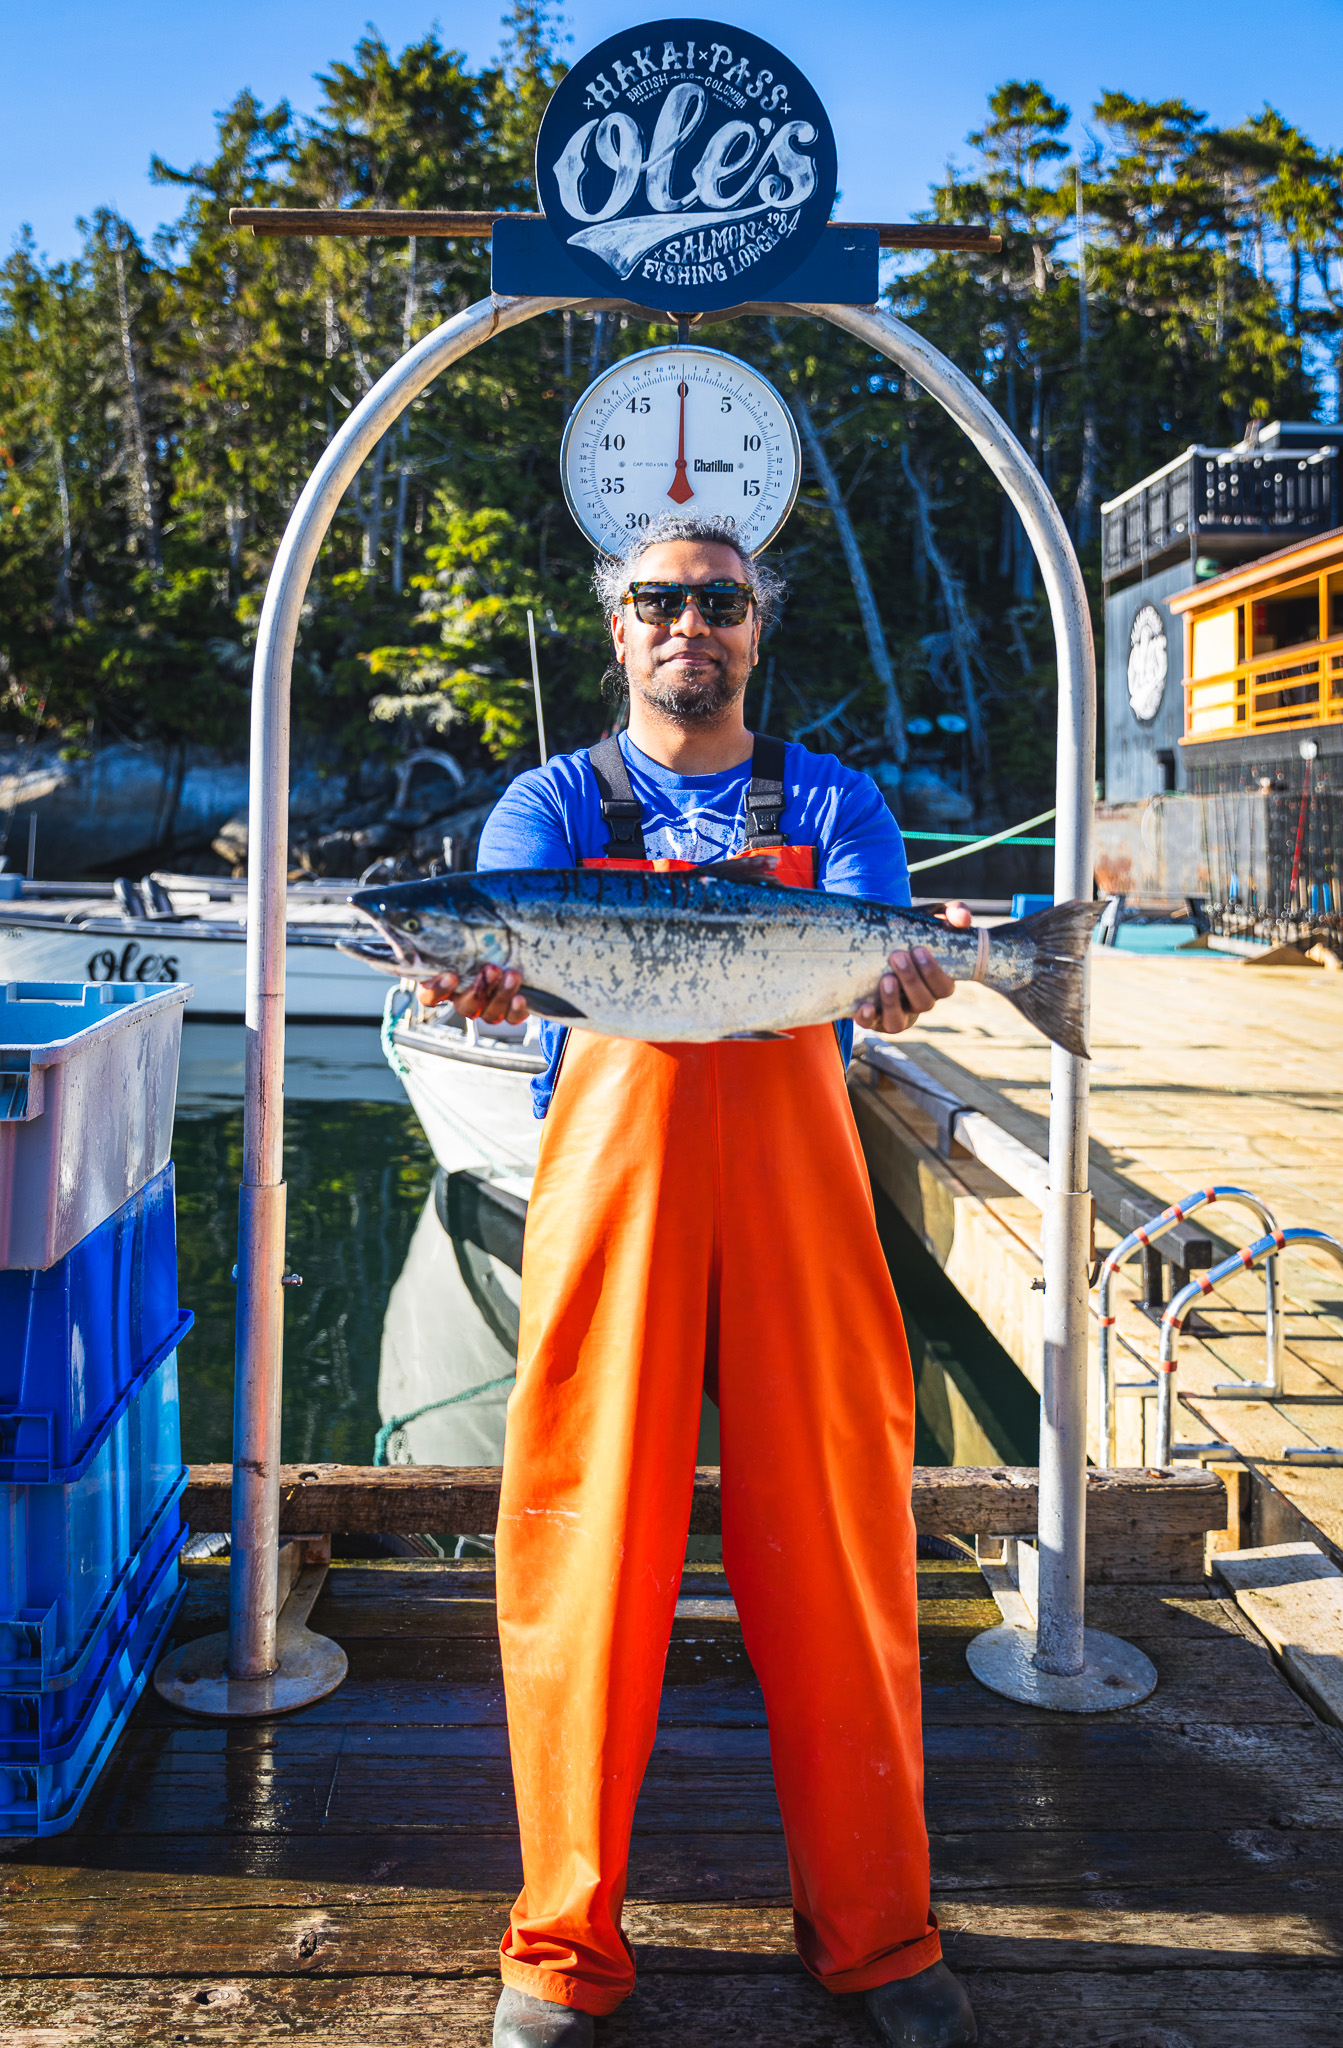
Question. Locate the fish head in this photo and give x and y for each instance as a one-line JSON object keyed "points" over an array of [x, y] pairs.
{"points": [[447, 925]]}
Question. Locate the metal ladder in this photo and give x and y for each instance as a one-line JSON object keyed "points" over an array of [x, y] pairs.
{"points": [[1149, 1234], [1267, 1248]]}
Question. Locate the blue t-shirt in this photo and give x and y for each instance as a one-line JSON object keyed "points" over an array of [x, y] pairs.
{"points": [[551, 818]]}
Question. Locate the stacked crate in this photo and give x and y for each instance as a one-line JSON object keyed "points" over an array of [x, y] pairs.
{"points": [[91, 1473]]}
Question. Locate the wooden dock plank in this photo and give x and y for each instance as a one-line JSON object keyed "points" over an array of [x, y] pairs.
{"points": [[1080, 1930], [1022, 2008], [344, 1874], [1293, 1594]]}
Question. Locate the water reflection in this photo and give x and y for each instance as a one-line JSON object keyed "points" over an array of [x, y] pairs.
{"points": [[396, 1316], [974, 1405], [451, 1324], [358, 1169]]}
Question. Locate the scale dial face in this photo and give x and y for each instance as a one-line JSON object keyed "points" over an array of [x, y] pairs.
{"points": [[689, 431]]}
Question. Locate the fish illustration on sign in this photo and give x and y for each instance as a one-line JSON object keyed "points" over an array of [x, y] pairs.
{"points": [[686, 154]]}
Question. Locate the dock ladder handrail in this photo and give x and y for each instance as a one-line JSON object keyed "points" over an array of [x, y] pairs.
{"points": [[1269, 1247], [1138, 1240]]}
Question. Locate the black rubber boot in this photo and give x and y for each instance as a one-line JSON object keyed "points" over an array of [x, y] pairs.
{"points": [[930, 2010], [521, 2021]]}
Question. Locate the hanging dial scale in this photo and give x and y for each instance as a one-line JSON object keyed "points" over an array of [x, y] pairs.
{"points": [[685, 430]]}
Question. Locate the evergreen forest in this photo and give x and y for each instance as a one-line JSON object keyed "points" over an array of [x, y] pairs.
{"points": [[162, 403]]}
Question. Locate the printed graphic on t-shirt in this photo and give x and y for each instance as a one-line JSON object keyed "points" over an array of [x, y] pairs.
{"points": [[690, 827]]}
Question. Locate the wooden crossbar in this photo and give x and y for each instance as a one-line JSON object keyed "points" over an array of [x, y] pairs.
{"points": [[463, 1500], [399, 220]]}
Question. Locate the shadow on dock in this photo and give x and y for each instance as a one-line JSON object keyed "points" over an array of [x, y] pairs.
{"points": [[1169, 1875]]}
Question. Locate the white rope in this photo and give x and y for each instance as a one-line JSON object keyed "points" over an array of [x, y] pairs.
{"points": [[978, 845]]}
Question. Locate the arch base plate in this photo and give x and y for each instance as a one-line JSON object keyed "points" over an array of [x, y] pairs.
{"points": [[1114, 1674], [196, 1679]]}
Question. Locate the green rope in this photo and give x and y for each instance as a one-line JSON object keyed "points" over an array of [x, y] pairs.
{"points": [[389, 1429], [389, 1024], [994, 839], [970, 837]]}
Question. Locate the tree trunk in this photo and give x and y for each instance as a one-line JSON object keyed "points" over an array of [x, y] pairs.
{"points": [[1084, 510], [64, 606], [960, 626], [371, 511], [1023, 582], [135, 418], [403, 428], [878, 652], [598, 346], [568, 364]]}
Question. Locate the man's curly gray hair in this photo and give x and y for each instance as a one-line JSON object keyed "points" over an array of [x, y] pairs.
{"points": [[612, 573]]}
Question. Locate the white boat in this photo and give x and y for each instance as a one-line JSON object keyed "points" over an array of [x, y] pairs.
{"points": [[187, 928], [449, 1340], [470, 1086], [451, 1328]]}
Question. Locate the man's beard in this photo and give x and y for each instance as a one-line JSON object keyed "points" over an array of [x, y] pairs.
{"points": [[702, 700]]}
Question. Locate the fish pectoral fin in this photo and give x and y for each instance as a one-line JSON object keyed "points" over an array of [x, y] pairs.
{"points": [[759, 1036], [757, 872], [546, 1005]]}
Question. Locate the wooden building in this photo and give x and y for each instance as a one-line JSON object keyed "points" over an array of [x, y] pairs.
{"points": [[1208, 511], [1263, 661], [1262, 744]]}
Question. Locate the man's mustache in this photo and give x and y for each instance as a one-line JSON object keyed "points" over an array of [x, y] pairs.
{"points": [[703, 656]]}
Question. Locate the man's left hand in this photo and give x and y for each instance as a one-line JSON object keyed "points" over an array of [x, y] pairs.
{"points": [[912, 984]]}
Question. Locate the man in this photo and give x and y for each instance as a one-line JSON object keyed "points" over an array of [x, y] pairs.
{"points": [[701, 1217]]}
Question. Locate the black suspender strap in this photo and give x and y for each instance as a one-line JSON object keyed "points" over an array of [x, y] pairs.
{"points": [[765, 798], [621, 812]]}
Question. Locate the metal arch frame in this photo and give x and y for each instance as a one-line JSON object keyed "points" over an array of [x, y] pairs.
{"points": [[1059, 1650]]}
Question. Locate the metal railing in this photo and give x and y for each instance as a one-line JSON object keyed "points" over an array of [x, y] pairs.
{"points": [[1268, 1247], [1151, 1233], [1275, 692], [1227, 494]]}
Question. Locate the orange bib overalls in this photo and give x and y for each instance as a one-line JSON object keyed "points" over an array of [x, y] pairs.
{"points": [[706, 1209]]}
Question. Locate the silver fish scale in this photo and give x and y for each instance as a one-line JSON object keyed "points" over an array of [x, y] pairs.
{"points": [[681, 957]]}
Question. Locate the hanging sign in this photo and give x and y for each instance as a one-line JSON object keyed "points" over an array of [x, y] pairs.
{"points": [[686, 162]]}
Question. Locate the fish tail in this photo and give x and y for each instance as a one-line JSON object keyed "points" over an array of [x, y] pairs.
{"points": [[1054, 999]]}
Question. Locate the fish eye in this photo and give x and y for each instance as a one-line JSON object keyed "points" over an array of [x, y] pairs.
{"points": [[410, 924]]}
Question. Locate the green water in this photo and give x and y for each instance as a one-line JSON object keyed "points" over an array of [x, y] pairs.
{"points": [[358, 1170], [357, 1173]]}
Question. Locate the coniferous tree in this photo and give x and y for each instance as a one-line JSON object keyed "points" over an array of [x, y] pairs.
{"points": [[162, 406]]}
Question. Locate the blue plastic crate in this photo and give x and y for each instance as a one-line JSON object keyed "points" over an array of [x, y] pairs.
{"points": [[79, 1340], [1026, 906], [43, 1726], [75, 1560], [42, 1796], [88, 1078]]}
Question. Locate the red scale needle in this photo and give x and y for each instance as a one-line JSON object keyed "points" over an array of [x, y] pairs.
{"points": [[681, 488]]}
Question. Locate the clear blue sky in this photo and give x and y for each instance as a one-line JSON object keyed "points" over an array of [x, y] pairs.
{"points": [[88, 88]]}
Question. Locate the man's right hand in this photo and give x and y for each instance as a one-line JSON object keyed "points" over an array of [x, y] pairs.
{"points": [[491, 997]]}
